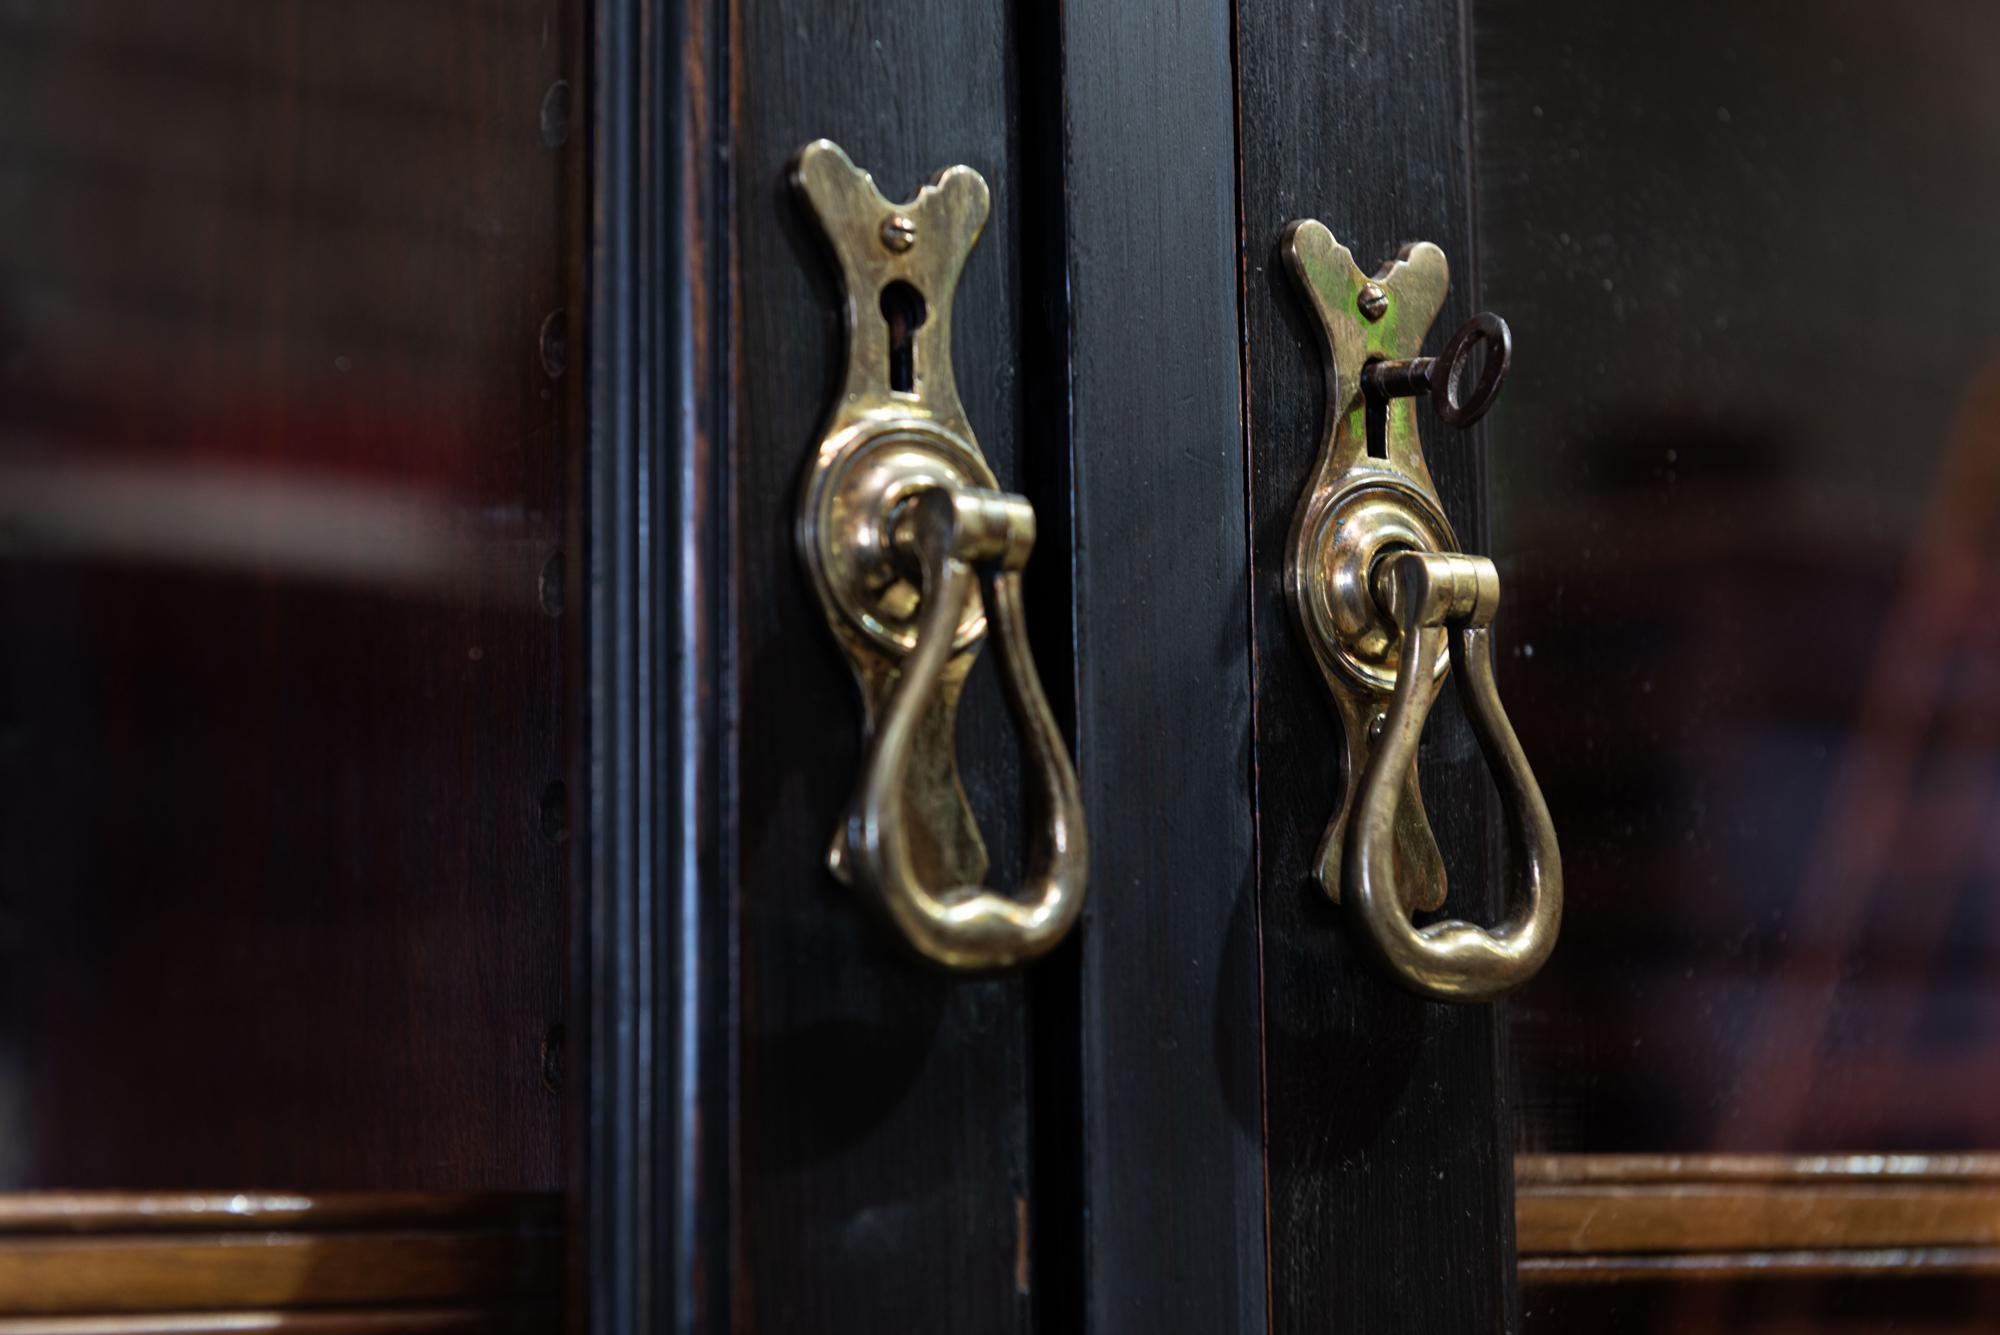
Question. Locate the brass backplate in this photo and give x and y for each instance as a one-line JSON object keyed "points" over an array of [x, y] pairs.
{"points": [[1371, 494], [896, 429]]}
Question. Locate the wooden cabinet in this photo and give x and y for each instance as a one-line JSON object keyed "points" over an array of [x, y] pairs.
{"points": [[421, 742]]}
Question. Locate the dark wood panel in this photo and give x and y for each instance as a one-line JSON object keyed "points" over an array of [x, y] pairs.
{"points": [[884, 1168], [1390, 1201], [1977, 1169], [1172, 1236]]}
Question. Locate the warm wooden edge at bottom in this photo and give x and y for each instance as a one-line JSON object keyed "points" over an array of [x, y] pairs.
{"points": [[208, 1211], [113, 1259], [510, 1319], [1538, 1170], [1857, 1264], [1599, 1218]]}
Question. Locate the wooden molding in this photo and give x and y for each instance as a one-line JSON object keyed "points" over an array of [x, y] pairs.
{"points": [[1595, 1218], [515, 1317], [1757, 1265], [194, 1211], [122, 1262]]}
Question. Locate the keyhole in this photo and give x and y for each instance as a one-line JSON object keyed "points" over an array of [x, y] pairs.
{"points": [[903, 312], [1375, 416]]}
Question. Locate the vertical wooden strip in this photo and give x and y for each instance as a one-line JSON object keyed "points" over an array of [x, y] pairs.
{"points": [[1388, 1132], [657, 922], [1173, 1238], [883, 1100]]}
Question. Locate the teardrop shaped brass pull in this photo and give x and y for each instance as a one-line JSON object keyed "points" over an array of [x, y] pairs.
{"points": [[1388, 607], [1435, 595], [951, 532], [899, 517]]}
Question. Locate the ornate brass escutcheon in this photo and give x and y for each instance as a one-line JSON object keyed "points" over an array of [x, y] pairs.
{"points": [[899, 519], [1390, 608]]}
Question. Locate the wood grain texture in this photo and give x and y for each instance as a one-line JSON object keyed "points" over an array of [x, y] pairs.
{"points": [[137, 1274], [884, 1132], [1592, 1220], [97, 1254], [1170, 1120], [1388, 1127], [1859, 1263], [1972, 1170], [191, 1212], [1629, 1214]]}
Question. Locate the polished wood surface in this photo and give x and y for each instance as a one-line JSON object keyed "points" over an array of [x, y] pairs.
{"points": [[1535, 1171], [49, 1275], [1869, 1263], [89, 1254], [508, 1318], [1618, 1217], [196, 1212]]}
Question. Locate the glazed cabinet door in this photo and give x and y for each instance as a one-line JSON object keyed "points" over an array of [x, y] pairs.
{"points": [[1743, 488], [287, 413], [1737, 501], [868, 1102], [1387, 1114], [1056, 1130]]}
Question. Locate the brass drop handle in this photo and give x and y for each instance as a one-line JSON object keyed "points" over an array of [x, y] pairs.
{"points": [[951, 532], [899, 519], [1433, 596], [1389, 607]]}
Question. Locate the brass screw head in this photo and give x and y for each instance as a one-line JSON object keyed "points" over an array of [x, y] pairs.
{"points": [[1374, 302], [899, 233]]}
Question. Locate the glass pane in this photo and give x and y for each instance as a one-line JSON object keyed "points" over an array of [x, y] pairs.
{"points": [[282, 483], [1746, 502], [1746, 489]]}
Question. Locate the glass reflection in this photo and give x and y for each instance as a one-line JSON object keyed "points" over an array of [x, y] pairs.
{"points": [[281, 466], [1746, 490]]}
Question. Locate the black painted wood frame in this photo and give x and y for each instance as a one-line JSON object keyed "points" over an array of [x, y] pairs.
{"points": [[1389, 1141], [1208, 1113], [654, 934], [1170, 1116]]}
